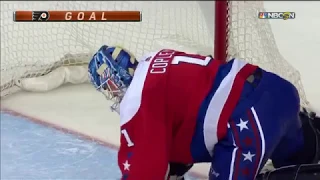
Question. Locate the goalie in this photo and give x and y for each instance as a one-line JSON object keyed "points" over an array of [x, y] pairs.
{"points": [[177, 109]]}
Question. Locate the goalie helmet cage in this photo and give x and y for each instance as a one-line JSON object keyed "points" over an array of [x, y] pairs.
{"points": [[42, 56]]}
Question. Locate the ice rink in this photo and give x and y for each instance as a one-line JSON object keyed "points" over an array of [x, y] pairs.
{"points": [[54, 135], [33, 151], [70, 133]]}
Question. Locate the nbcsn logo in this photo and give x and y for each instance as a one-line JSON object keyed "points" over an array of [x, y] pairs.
{"points": [[277, 15]]}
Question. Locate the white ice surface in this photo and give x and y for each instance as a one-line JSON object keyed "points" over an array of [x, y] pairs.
{"points": [[77, 107], [82, 109]]}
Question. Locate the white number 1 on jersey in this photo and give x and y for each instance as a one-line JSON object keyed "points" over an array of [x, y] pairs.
{"points": [[126, 136], [191, 60]]}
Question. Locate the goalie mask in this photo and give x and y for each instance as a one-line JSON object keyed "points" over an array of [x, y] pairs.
{"points": [[111, 71]]}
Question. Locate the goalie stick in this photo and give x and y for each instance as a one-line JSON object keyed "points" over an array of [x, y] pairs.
{"points": [[297, 172]]}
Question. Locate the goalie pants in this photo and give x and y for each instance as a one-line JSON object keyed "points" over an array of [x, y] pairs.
{"points": [[264, 125]]}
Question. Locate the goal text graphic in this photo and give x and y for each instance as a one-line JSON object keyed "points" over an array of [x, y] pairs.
{"points": [[76, 16]]}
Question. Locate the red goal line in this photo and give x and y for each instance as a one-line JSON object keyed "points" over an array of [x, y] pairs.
{"points": [[77, 16]]}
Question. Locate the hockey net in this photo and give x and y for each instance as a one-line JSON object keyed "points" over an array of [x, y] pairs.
{"points": [[42, 56]]}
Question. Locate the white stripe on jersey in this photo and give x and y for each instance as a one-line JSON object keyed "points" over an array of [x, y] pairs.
{"points": [[211, 119], [131, 101], [263, 142]]}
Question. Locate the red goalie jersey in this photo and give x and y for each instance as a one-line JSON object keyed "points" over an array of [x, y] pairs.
{"points": [[164, 114]]}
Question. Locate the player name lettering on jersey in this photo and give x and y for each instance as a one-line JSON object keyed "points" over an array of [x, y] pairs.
{"points": [[160, 63]]}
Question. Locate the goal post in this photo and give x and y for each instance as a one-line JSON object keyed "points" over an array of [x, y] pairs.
{"points": [[42, 56], [221, 30]]}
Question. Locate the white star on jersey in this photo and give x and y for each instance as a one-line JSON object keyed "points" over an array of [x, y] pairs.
{"points": [[126, 165], [248, 156], [242, 125]]}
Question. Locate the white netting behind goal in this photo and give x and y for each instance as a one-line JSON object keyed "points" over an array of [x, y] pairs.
{"points": [[34, 49], [252, 39]]}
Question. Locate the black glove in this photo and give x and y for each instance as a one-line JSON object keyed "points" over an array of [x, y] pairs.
{"points": [[310, 152], [178, 170], [316, 120]]}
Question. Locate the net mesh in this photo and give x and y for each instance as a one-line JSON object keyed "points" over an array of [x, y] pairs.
{"points": [[32, 49], [252, 39]]}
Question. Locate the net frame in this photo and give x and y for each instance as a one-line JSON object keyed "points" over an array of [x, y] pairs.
{"points": [[221, 30]]}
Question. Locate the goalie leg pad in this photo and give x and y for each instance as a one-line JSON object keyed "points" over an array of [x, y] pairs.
{"points": [[257, 126]]}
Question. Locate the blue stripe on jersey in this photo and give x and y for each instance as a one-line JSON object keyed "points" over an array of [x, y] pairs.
{"points": [[198, 148]]}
